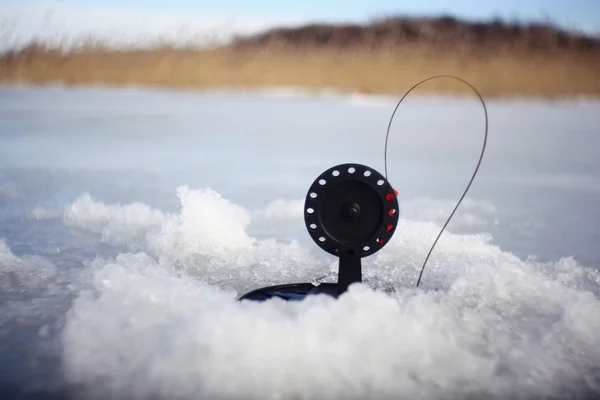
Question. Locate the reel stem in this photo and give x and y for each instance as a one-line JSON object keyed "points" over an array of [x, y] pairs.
{"points": [[349, 272]]}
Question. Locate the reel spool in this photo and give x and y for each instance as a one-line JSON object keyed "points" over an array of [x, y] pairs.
{"points": [[351, 212]]}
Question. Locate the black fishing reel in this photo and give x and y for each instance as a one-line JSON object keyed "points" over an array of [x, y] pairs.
{"points": [[351, 212]]}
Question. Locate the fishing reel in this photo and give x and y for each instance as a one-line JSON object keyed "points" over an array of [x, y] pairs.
{"points": [[351, 212]]}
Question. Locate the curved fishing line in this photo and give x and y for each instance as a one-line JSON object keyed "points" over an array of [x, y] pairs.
{"points": [[474, 172]]}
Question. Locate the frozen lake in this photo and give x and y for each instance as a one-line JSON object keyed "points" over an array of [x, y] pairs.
{"points": [[130, 220]]}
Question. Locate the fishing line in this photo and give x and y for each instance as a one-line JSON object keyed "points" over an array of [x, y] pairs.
{"points": [[474, 172]]}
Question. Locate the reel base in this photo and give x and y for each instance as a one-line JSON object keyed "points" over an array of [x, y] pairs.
{"points": [[291, 291]]}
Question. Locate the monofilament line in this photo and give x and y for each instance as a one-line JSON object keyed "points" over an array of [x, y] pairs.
{"points": [[474, 172]]}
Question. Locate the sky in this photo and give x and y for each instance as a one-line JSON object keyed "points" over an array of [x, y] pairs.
{"points": [[181, 20], [581, 12]]}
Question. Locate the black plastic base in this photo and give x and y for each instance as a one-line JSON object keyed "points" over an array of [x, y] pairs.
{"points": [[291, 292]]}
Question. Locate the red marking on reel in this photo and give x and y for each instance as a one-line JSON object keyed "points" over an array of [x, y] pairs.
{"points": [[392, 212], [390, 196]]}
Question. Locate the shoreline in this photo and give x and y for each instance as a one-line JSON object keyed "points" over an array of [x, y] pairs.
{"points": [[370, 72], [302, 93]]}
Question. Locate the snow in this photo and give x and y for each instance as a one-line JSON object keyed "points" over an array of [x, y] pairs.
{"points": [[130, 221]]}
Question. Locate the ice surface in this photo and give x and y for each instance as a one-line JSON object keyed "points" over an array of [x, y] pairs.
{"points": [[131, 220]]}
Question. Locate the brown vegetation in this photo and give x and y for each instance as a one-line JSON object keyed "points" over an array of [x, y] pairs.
{"points": [[386, 56], [445, 33]]}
